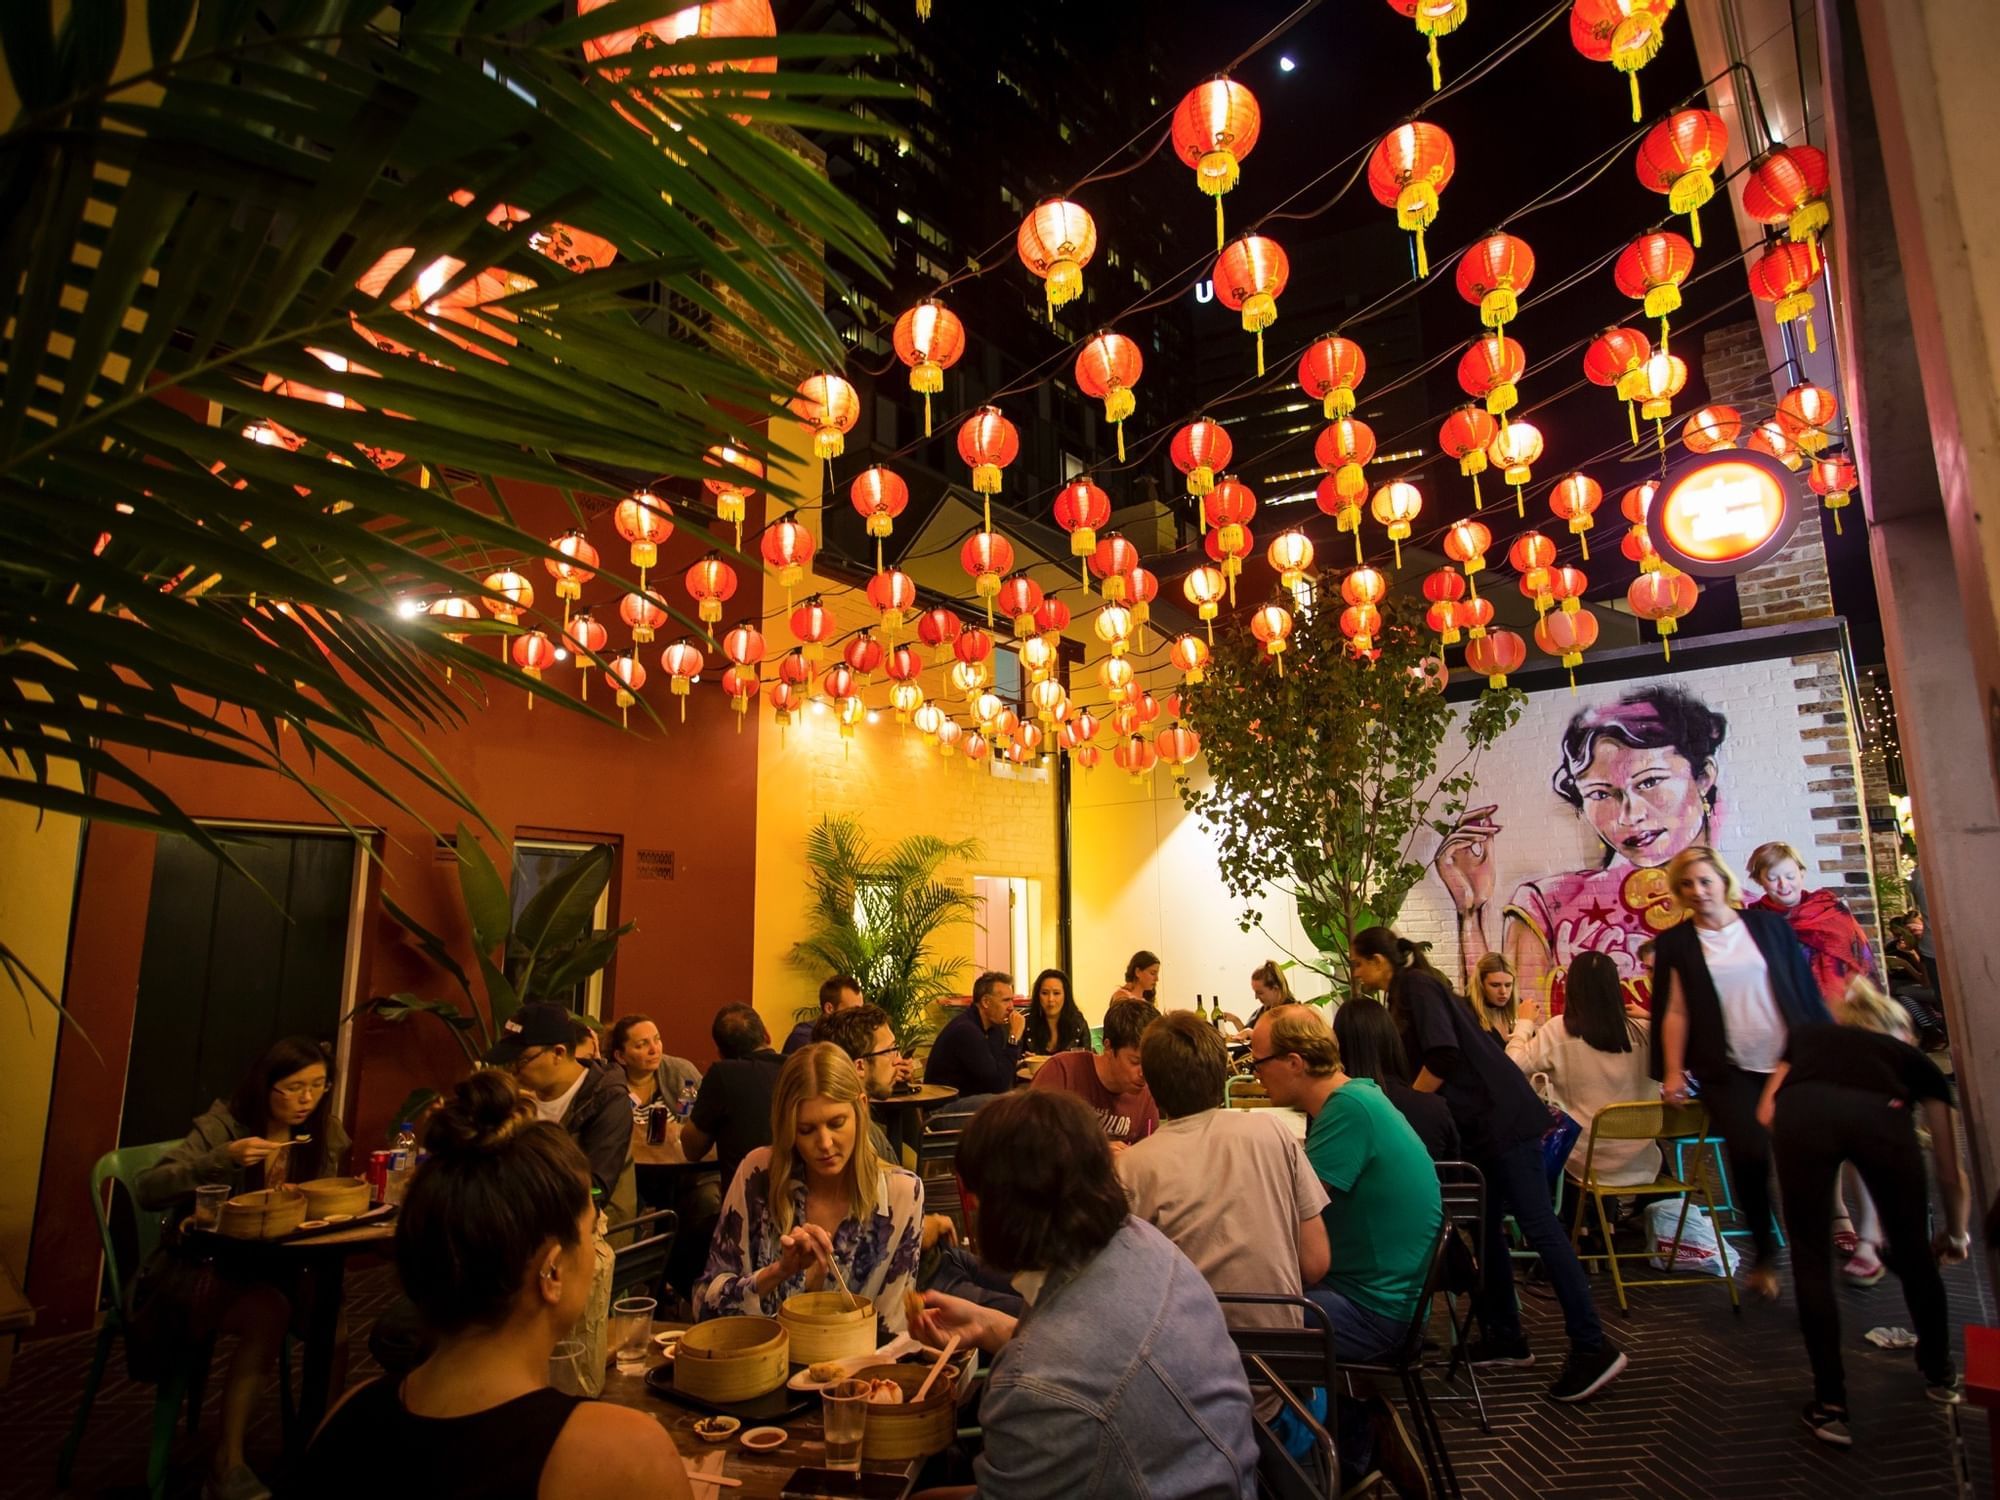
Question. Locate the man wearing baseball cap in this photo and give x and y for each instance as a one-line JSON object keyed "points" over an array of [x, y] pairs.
{"points": [[536, 1045]]}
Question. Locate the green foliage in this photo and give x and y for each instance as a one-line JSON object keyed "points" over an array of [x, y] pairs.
{"points": [[875, 914], [1322, 778], [172, 237], [542, 957]]}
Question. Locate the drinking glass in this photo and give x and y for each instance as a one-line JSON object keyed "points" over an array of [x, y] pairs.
{"points": [[566, 1367], [844, 1413], [631, 1328], [208, 1203]]}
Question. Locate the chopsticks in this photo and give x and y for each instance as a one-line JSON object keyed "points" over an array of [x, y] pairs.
{"points": [[950, 1346], [698, 1474]]}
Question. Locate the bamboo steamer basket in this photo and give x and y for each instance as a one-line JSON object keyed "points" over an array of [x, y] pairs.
{"points": [[732, 1359], [828, 1325], [335, 1195], [900, 1433], [268, 1215]]}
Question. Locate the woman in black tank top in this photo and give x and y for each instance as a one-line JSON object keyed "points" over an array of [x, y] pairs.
{"points": [[495, 1248]]}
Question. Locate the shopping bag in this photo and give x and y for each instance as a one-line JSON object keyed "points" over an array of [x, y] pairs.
{"points": [[1702, 1250]]}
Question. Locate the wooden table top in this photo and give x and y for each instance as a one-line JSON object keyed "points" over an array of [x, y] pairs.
{"points": [[763, 1473], [924, 1095]]}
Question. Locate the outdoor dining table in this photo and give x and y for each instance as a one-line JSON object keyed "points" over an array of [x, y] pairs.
{"points": [[763, 1473], [898, 1111]]}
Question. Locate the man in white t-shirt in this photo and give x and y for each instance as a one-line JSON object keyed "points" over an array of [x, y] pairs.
{"points": [[1230, 1187]]}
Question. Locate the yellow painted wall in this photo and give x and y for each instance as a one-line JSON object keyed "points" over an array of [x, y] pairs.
{"points": [[886, 777], [1144, 875]]}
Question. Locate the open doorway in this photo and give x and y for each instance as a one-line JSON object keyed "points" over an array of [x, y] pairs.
{"points": [[1005, 918]]}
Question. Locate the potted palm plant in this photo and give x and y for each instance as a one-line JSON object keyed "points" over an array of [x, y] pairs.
{"points": [[878, 914]]}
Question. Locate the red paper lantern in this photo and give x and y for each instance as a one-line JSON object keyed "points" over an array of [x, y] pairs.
{"points": [[584, 638], [1783, 276], [1107, 367], [1567, 586], [1177, 746], [1651, 270], [788, 550], [929, 338], [743, 644], [576, 568], [1019, 597], [878, 496], [1200, 450], [1465, 543], [1330, 371], [1769, 437], [1214, 128], [1361, 624], [1409, 168], [1638, 543], [1113, 625], [509, 596], [1464, 435], [1806, 411], [644, 521], [1433, 18], [683, 663], [988, 442], [894, 593], [1395, 506], [741, 684], [1513, 451], [1533, 556], [1291, 556], [1567, 636], [534, 653], [451, 607], [1081, 508], [813, 626], [731, 488], [643, 615], [1493, 274], [626, 677], [1789, 187], [1056, 241], [863, 654], [938, 628], [1343, 449], [1229, 507], [1248, 277], [1052, 616], [973, 645], [1833, 478], [1624, 33], [1474, 616], [1575, 499], [1442, 617], [1112, 561], [1660, 380], [1711, 428], [1135, 756], [901, 663], [1141, 589], [711, 582], [1489, 369], [987, 557], [1680, 157], [828, 405], [1495, 654], [1272, 625], [1616, 358], [1204, 588], [796, 671], [1189, 654], [1663, 597], [716, 18]]}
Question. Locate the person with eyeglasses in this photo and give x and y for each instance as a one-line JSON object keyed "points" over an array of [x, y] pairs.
{"points": [[590, 1103], [865, 1035], [276, 1128]]}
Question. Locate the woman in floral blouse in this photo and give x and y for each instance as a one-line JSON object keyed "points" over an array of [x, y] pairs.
{"points": [[817, 1196]]}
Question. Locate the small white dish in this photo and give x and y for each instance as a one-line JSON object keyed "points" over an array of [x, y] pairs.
{"points": [[336, 1219], [888, 1354], [764, 1439], [717, 1429]]}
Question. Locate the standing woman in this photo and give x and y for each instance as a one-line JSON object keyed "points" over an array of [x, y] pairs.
{"points": [[817, 1195], [1495, 1005], [1055, 1022], [1733, 983], [1851, 1093], [1834, 942], [635, 1048], [246, 1145], [1142, 978], [1501, 1123]]}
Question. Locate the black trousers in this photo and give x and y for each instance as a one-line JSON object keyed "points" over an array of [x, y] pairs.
{"points": [[1731, 1095], [1820, 1125]]}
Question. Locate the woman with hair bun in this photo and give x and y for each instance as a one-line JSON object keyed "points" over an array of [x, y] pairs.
{"points": [[1501, 1122], [494, 1248]]}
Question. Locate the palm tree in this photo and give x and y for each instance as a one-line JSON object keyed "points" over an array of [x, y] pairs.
{"points": [[877, 914], [267, 381]]}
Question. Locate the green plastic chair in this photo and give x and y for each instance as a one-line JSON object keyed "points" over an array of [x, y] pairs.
{"points": [[189, 1378]]}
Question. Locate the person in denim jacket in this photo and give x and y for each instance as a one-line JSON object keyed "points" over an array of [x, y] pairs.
{"points": [[1120, 1379]]}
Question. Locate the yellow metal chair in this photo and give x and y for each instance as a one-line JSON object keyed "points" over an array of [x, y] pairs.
{"points": [[1649, 1120]]}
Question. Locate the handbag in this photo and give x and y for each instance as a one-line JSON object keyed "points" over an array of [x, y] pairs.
{"points": [[1561, 1136]]}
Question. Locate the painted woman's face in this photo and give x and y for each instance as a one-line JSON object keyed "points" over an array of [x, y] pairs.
{"points": [[1648, 805]]}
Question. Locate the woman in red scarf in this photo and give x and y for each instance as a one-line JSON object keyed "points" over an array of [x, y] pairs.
{"points": [[1833, 940]]}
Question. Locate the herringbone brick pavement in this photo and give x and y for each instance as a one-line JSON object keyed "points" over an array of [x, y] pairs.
{"points": [[1709, 1410]]}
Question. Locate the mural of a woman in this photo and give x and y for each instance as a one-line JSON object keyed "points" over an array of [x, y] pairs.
{"points": [[1641, 771]]}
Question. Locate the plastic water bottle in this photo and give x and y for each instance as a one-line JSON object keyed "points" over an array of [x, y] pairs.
{"points": [[688, 1092], [402, 1163]]}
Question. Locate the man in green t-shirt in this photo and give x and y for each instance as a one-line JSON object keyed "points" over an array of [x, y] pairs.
{"points": [[1383, 1217]]}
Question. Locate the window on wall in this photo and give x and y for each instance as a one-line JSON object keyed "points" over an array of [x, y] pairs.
{"points": [[537, 862]]}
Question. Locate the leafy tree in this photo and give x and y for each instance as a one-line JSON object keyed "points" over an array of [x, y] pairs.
{"points": [[1322, 777], [876, 914]]}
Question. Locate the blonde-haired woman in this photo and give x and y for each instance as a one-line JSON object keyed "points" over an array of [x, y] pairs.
{"points": [[816, 1197], [1728, 987], [1496, 1005]]}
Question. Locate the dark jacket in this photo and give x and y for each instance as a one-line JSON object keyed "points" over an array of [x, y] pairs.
{"points": [[972, 1057], [1678, 951], [1430, 1117], [202, 1160], [599, 1120]]}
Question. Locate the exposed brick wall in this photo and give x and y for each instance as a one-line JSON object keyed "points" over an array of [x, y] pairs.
{"points": [[1793, 585], [1885, 847]]}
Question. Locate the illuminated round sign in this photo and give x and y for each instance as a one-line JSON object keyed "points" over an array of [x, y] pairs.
{"points": [[1723, 512]]}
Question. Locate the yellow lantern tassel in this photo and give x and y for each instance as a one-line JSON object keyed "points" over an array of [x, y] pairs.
{"points": [[1812, 344], [1632, 416], [1478, 503], [1397, 544], [1583, 541], [1120, 426], [1660, 427], [927, 413], [1218, 221], [1520, 505], [1836, 524], [1357, 546], [1423, 260], [1472, 585], [1694, 226], [1637, 115], [1260, 346], [1437, 78]]}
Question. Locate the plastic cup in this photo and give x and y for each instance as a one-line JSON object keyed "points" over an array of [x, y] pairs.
{"points": [[632, 1329], [566, 1368], [208, 1203], [844, 1415]]}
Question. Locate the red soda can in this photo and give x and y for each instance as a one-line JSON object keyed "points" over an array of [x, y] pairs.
{"points": [[378, 1175]]}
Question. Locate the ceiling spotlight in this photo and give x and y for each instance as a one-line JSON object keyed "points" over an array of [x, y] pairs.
{"points": [[1285, 63]]}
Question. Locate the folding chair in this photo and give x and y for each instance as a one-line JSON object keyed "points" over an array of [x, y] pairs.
{"points": [[1463, 1188], [1291, 1362], [1668, 1124], [937, 1168], [1407, 1366], [642, 1264]]}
